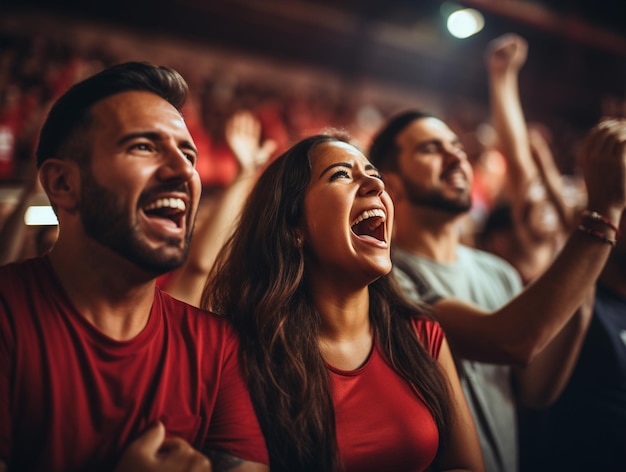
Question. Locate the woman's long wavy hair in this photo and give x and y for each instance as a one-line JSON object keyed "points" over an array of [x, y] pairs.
{"points": [[258, 283]]}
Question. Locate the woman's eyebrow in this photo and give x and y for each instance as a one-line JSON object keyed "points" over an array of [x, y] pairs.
{"points": [[336, 164]]}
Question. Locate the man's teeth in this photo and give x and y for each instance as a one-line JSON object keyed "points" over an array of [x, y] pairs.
{"points": [[175, 203], [456, 178], [369, 214]]}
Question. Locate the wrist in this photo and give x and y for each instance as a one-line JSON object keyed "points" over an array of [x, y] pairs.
{"points": [[245, 175], [611, 214], [599, 226]]}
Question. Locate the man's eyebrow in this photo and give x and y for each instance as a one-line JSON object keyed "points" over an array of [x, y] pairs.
{"points": [[188, 145], [154, 136], [437, 141], [428, 142], [151, 135]]}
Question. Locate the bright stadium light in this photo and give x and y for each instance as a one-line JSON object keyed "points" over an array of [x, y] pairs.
{"points": [[40, 215], [465, 23]]}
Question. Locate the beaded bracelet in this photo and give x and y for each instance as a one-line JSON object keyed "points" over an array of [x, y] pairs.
{"points": [[595, 216], [598, 234]]}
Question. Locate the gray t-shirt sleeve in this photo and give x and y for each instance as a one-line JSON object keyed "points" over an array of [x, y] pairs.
{"points": [[415, 287]]}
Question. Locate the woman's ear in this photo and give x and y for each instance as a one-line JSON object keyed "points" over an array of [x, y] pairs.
{"points": [[298, 237], [60, 180]]}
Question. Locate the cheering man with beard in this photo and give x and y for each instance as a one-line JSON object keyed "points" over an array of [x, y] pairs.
{"points": [[510, 346], [98, 367]]}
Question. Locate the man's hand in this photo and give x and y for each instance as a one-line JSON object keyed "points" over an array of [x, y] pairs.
{"points": [[603, 161], [506, 53], [152, 452], [243, 134]]}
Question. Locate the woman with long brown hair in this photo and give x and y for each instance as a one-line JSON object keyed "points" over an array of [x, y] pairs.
{"points": [[344, 373]]}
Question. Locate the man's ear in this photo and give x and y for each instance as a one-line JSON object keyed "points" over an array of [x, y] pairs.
{"points": [[394, 185], [60, 180]]}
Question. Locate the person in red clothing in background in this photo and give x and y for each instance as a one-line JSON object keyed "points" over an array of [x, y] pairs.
{"points": [[243, 134], [344, 373], [100, 369]]}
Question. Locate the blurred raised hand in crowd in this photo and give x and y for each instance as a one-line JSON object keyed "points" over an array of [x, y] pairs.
{"points": [[244, 137]]}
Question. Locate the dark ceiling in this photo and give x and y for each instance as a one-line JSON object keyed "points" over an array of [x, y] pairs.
{"points": [[577, 49]]}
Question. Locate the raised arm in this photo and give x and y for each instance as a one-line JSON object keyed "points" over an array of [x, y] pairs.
{"points": [[539, 384], [243, 134], [505, 57], [536, 205], [552, 178], [518, 332]]}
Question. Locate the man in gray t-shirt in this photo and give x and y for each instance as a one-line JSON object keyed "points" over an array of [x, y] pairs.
{"points": [[510, 348], [490, 282]]}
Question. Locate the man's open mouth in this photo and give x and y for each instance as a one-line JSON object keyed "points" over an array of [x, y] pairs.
{"points": [[171, 208], [456, 178]]}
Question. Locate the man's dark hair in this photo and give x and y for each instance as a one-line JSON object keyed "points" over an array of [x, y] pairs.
{"points": [[384, 151], [72, 109]]}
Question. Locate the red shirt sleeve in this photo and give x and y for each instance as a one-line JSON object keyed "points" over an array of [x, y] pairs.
{"points": [[430, 333], [234, 425]]}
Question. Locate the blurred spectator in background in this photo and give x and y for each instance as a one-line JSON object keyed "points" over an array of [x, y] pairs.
{"points": [[243, 134], [17, 240], [584, 429], [535, 220]]}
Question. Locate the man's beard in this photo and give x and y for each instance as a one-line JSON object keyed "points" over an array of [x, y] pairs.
{"points": [[436, 200], [106, 220]]}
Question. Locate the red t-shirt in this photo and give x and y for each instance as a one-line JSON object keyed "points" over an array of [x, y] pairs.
{"points": [[381, 422], [71, 398]]}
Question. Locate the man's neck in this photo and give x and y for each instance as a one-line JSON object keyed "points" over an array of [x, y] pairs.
{"points": [[105, 288], [428, 233]]}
